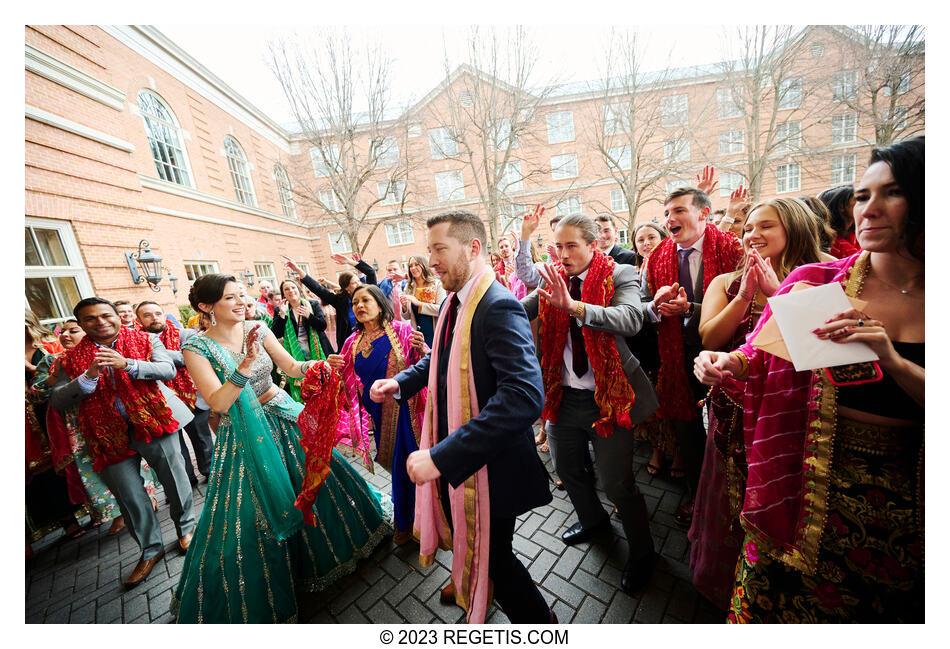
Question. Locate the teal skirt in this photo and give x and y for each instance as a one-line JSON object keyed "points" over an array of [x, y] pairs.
{"points": [[236, 571]]}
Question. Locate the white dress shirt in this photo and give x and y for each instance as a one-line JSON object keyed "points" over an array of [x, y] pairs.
{"points": [[695, 261], [568, 377]]}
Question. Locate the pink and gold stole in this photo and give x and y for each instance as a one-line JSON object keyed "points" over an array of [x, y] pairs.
{"points": [[470, 512]]}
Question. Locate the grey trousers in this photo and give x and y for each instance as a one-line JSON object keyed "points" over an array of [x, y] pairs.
{"points": [[125, 482], [613, 458]]}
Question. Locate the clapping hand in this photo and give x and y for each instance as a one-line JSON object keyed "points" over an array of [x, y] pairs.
{"points": [[704, 179], [712, 367], [252, 351], [670, 300], [767, 280], [108, 357], [303, 309], [750, 280], [557, 293]]}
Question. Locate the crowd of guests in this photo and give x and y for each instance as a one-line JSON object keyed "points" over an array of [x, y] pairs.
{"points": [[804, 488]]}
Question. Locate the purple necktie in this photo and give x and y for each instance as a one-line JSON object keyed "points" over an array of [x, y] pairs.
{"points": [[578, 350], [686, 278], [450, 321]]}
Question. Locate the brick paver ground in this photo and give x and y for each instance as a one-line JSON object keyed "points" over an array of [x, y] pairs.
{"points": [[80, 580]]}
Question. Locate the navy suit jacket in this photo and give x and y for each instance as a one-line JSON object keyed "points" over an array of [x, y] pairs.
{"points": [[510, 400]]}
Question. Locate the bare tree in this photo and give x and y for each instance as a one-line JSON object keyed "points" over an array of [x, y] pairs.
{"points": [[642, 130], [881, 79], [762, 87], [486, 119], [359, 156]]}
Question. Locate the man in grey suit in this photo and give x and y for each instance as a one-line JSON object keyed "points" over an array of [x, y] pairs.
{"points": [[576, 242], [100, 320]]}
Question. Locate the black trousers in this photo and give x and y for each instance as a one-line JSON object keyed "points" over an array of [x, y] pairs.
{"points": [[691, 435], [200, 434], [514, 589]]}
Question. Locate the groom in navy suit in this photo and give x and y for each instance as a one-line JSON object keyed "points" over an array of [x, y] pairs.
{"points": [[510, 398]]}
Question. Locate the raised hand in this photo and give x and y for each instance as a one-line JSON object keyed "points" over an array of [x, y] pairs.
{"points": [[704, 179], [551, 249], [342, 260], [335, 361], [767, 279], [357, 257], [282, 310], [292, 265], [531, 221], [750, 280], [252, 351], [557, 291], [303, 309], [92, 372]]}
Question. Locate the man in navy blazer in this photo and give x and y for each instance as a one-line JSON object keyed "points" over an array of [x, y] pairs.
{"points": [[510, 399]]}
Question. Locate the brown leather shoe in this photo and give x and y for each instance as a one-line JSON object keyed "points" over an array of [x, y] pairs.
{"points": [[118, 524], [185, 541], [142, 570], [447, 596]]}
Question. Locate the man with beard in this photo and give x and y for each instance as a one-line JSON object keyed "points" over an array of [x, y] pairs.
{"points": [[153, 320]]}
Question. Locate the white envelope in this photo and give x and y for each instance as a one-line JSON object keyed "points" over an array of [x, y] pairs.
{"points": [[798, 312]]}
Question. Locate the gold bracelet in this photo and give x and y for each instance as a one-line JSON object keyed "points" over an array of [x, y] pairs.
{"points": [[744, 361], [579, 311]]}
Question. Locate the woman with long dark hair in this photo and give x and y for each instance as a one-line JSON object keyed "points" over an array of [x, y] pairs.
{"points": [[422, 298], [300, 324], [840, 204], [251, 550], [833, 503]]}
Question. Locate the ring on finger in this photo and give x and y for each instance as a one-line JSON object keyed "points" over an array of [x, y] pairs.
{"points": [[860, 322]]}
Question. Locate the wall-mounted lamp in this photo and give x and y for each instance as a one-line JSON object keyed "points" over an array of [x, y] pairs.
{"points": [[151, 265], [174, 282], [375, 265], [248, 277], [540, 241]]}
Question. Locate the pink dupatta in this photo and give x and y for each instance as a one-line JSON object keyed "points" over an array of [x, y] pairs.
{"points": [[469, 502]]}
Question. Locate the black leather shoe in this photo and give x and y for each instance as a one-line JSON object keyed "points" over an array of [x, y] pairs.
{"points": [[577, 534], [637, 573], [684, 515]]}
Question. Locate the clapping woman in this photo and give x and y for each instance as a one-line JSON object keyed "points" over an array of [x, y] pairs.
{"points": [[380, 348], [833, 507], [301, 324]]}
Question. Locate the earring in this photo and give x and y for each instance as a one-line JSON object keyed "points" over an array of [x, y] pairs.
{"points": [[213, 323]]}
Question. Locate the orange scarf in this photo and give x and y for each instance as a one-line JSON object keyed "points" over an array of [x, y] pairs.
{"points": [[182, 384], [612, 392], [103, 427]]}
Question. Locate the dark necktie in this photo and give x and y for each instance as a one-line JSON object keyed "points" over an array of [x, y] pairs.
{"points": [[577, 336], [686, 278], [450, 323]]}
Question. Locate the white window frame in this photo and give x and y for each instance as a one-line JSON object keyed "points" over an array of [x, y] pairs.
{"points": [[511, 216], [399, 233], [729, 182], [784, 178], [501, 138], [414, 130], [900, 113], [674, 153], [264, 270], [675, 110], [450, 190], [320, 168], [284, 191], [391, 193], [616, 119], [563, 166], [732, 141], [339, 243], [511, 178], [74, 268], [844, 85], [726, 104], [240, 171], [166, 169], [330, 201], [788, 137], [563, 207], [198, 267], [622, 237], [387, 153], [672, 185], [443, 143], [618, 201], [903, 86], [623, 156], [844, 128], [843, 169], [790, 93], [560, 126]]}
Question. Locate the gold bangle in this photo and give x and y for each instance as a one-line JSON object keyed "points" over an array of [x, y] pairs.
{"points": [[579, 311], [744, 361]]}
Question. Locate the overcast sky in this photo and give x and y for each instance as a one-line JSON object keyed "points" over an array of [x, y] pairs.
{"points": [[237, 54]]}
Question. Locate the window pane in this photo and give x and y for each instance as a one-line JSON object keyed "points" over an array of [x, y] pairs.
{"points": [[51, 247], [67, 291], [32, 256], [39, 294]]}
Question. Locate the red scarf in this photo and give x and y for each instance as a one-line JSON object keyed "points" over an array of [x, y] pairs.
{"points": [[182, 384], [104, 429], [322, 391], [722, 253], [612, 392]]}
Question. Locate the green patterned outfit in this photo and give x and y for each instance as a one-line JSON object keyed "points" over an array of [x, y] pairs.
{"points": [[251, 551]]}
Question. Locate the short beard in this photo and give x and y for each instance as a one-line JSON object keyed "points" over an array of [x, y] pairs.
{"points": [[155, 327]]}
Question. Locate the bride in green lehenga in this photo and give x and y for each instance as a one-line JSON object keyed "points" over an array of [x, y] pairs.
{"points": [[251, 550]]}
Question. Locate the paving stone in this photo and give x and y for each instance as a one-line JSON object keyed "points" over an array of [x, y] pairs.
{"points": [[525, 547], [593, 586], [59, 616], [568, 562], [109, 610], [532, 523], [403, 587], [413, 611], [542, 565], [682, 601], [134, 607], [564, 590], [590, 612], [611, 574], [565, 614], [548, 542], [142, 619], [167, 618], [160, 604], [595, 559], [675, 545], [434, 581], [554, 522], [652, 604], [496, 616], [446, 613], [395, 567], [351, 591], [376, 591], [621, 609], [63, 583]]}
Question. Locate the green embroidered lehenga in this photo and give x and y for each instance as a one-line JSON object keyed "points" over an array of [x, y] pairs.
{"points": [[251, 551]]}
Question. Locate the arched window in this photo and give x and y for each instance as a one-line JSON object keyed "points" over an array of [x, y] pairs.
{"points": [[283, 190], [164, 139], [237, 164]]}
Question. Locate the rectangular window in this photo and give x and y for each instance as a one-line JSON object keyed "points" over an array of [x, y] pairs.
{"points": [[844, 85], [616, 119], [449, 186], [560, 127], [195, 269], [399, 233], [728, 183], [387, 153], [501, 136], [55, 276], [329, 201], [391, 192], [568, 205], [675, 109], [442, 143], [842, 169], [844, 128], [511, 215], [622, 237], [903, 85], [788, 178], [511, 178], [729, 102], [788, 137], [672, 185], [790, 93], [564, 166], [900, 117], [676, 150], [339, 243], [619, 157], [415, 130], [618, 201], [731, 142], [265, 270], [325, 161]]}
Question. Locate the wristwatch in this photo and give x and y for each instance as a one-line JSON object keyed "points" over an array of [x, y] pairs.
{"points": [[689, 310], [579, 311]]}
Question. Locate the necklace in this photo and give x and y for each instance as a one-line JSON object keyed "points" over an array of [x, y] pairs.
{"points": [[903, 291]]}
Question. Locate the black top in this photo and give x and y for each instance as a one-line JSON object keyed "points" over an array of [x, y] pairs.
{"points": [[339, 301], [885, 397], [317, 322]]}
